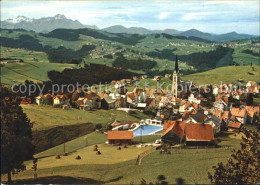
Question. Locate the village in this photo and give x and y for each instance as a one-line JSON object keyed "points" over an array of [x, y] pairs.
{"points": [[181, 116]]}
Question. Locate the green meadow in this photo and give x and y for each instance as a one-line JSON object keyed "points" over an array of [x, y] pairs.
{"points": [[46, 117], [121, 168]]}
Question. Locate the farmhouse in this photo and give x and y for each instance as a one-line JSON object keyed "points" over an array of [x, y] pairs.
{"points": [[61, 99], [221, 103], [252, 114], [234, 126], [199, 134], [239, 114], [120, 137], [175, 133]]}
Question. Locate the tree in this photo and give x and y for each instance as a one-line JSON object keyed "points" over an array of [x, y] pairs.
{"points": [[98, 126], [16, 134], [243, 167]]}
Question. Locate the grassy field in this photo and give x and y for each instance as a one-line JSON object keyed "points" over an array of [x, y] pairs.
{"points": [[118, 166], [46, 117], [230, 74], [243, 58], [35, 66], [75, 144]]}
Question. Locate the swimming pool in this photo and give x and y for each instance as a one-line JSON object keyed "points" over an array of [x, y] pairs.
{"points": [[146, 130]]}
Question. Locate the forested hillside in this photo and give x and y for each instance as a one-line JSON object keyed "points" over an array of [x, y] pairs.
{"points": [[152, 54]]}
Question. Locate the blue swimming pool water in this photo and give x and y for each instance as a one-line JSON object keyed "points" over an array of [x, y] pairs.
{"points": [[146, 130]]}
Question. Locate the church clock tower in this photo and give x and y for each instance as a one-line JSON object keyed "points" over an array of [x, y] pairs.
{"points": [[175, 79]]}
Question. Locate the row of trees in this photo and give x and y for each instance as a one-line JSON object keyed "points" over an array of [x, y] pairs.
{"points": [[74, 35], [55, 55], [138, 64]]}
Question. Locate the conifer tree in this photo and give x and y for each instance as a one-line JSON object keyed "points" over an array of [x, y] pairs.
{"points": [[243, 167], [16, 134]]}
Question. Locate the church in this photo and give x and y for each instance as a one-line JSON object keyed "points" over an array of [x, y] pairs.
{"points": [[179, 87]]}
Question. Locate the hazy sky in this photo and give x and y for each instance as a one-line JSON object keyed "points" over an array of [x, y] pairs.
{"points": [[208, 16]]}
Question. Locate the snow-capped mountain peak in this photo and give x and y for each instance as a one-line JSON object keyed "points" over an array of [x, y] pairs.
{"points": [[59, 16], [19, 19]]}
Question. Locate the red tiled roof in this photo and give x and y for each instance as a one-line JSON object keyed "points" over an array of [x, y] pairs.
{"points": [[102, 95], [183, 102], [178, 128], [234, 124], [199, 132], [60, 96], [238, 112], [131, 96], [225, 115], [187, 113], [254, 109], [120, 135], [225, 99], [218, 113], [194, 105], [167, 124]]}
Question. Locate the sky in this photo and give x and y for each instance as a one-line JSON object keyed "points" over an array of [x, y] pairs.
{"points": [[207, 15]]}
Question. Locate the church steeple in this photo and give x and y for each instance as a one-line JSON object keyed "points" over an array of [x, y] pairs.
{"points": [[176, 65], [175, 79]]}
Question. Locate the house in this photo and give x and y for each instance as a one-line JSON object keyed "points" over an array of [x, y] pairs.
{"points": [[84, 104], [198, 117], [155, 121], [234, 126], [48, 99], [168, 76], [215, 122], [215, 90], [119, 84], [131, 99], [120, 102], [192, 99], [223, 116], [153, 103], [141, 105], [108, 103], [238, 115], [221, 103], [61, 99], [199, 134], [120, 137], [40, 100], [95, 98], [252, 114], [174, 133], [157, 78], [25, 100], [187, 106]]}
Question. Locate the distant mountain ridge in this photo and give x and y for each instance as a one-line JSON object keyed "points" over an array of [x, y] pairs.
{"points": [[214, 37], [44, 24], [48, 24], [138, 30]]}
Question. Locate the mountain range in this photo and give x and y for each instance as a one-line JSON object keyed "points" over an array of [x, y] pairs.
{"points": [[43, 25], [48, 24]]}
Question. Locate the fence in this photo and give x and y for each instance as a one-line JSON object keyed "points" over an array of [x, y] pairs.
{"points": [[142, 155], [210, 149]]}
